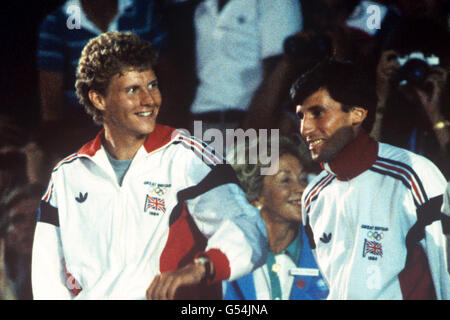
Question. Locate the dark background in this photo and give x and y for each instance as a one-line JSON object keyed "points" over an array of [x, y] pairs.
{"points": [[19, 25]]}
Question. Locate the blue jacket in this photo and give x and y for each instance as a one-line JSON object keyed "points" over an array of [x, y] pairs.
{"points": [[303, 287]]}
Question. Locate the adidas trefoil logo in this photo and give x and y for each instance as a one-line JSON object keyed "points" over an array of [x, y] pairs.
{"points": [[82, 197], [326, 237]]}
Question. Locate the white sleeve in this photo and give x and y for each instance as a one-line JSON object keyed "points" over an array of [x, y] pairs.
{"points": [[48, 275], [277, 21], [237, 240], [434, 185], [446, 210]]}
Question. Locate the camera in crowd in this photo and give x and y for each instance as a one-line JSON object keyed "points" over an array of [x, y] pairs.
{"points": [[316, 47], [414, 68]]}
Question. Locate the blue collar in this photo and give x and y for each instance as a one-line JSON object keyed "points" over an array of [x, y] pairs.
{"points": [[294, 250]]}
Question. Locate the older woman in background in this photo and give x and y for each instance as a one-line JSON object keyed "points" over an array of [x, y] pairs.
{"points": [[290, 272]]}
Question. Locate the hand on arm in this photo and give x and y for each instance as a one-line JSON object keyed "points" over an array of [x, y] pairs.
{"points": [[165, 285]]}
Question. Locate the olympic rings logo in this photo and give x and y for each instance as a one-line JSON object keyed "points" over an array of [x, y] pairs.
{"points": [[375, 235]]}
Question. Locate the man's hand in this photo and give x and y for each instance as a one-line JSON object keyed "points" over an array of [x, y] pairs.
{"points": [[387, 66], [430, 97], [165, 285], [430, 101]]}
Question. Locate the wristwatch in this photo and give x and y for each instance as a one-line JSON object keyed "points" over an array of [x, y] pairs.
{"points": [[207, 263]]}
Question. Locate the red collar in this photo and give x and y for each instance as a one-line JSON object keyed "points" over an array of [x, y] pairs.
{"points": [[159, 137], [92, 146], [358, 156]]}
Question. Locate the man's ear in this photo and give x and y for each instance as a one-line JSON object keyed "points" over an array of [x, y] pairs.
{"points": [[97, 100], [358, 115]]}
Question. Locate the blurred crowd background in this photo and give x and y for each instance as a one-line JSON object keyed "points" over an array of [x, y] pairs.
{"points": [[229, 64]]}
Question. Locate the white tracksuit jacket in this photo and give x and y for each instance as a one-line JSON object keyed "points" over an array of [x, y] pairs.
{"points": [[110, 241], [359, 213]]}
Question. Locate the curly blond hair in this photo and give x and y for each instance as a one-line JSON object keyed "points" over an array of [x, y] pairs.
{"points": [[249, 175], [105, 56]]}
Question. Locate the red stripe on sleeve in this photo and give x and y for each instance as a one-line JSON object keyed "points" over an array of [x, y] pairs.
{"points": [[406, 175], [415, 279]]}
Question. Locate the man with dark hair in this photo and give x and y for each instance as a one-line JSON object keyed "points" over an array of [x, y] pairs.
{"points": [[370, 213], [329, 75], [141, 211]]}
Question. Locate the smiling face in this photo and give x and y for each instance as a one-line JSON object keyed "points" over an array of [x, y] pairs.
{"points": [[326, 128], [131, 103], [281, 195]]}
